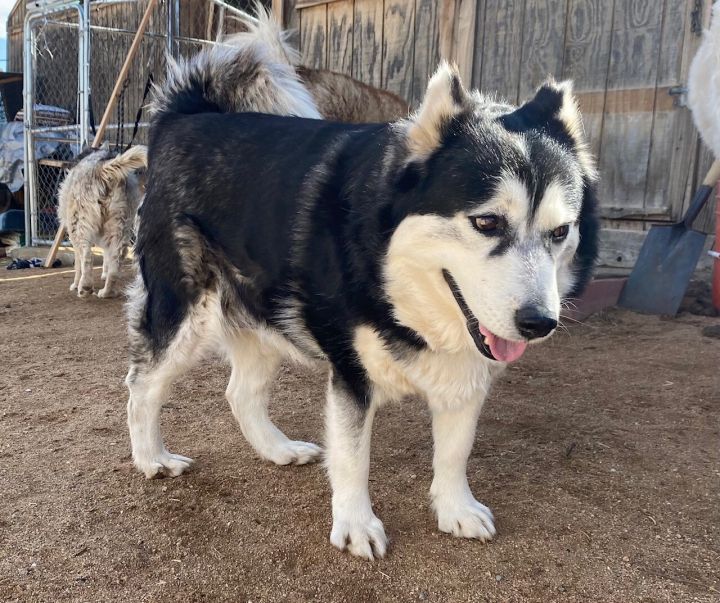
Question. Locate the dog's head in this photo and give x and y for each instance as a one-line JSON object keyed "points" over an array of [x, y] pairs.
{"points": [[494, 217]]}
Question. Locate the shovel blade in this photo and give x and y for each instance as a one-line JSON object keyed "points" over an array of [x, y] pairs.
{"points": [[663, 270]]}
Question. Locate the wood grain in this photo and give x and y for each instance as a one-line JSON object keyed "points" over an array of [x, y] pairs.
{"points": [[543, 41], [313, 37], [586, 59], [502, 46], [340, 36], [398, 47], [368, 42], [427, 45], [464, 35], [666, 114], [626, 135]]}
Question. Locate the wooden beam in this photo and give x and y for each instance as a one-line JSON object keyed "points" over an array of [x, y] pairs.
{"points": [[123, 73], [60, 234], [464, 38], [307, 3], [278, 10]]}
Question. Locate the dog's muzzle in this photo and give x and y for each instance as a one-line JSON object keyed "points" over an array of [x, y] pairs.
{"points": [[472, 323]]}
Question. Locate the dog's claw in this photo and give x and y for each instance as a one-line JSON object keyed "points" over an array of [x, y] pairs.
{"points": [[166, 464], [364, 539], [465, 519]]}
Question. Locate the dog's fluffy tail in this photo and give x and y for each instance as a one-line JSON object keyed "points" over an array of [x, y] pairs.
{"points": [[252, 71], [119, 168]]}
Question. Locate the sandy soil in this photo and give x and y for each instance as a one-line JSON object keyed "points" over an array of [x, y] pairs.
{"points": [[599, 454]]}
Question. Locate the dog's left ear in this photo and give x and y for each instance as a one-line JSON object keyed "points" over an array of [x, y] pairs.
{"points": [[554, 110], [444, 99]]}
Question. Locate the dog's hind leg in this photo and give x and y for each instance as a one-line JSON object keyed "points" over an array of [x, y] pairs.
{"points": [[148, 392], [457, 510], [112, 253], [85, 285], [78, 269], [152, 372], [254, 365], [349, 424]]}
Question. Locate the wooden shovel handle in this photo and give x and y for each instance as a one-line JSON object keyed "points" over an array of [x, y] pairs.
{"points": [[713, 175], [702, 194]]}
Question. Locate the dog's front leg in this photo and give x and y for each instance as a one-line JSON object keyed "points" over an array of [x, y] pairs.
{"points": [[349, 424], [457, 510]]}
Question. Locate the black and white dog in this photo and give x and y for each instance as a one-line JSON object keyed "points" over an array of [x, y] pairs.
{"points": [[416, 258]]}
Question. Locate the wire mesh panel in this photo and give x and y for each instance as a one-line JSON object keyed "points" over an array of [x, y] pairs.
{"points": [[52, 110], [112, 30], [199, 23], [73, 52]]}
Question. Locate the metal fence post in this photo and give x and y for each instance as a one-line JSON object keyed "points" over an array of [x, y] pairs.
{"points": [[84, 74], [27, 138]]}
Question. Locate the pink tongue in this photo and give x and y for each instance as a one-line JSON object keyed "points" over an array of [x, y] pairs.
{"points": [[504, 350]]}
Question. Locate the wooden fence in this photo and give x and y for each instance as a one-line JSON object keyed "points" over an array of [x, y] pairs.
{"points": [[627, 58]]}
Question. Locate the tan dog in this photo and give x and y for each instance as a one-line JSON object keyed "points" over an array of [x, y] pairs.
{"points": [[342, 98], [97, 204]]}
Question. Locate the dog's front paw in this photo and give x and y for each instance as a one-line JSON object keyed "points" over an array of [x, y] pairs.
{"points": [[465, 518], [105, 292], [73, 286], [294, 452], [84, 291], [164, 464], [361, 534]]}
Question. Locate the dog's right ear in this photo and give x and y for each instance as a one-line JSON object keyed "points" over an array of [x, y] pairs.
{"points": [[554, 110], [444, 99]]}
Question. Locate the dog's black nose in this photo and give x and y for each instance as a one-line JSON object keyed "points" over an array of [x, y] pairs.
{"points": [[534, 322]]}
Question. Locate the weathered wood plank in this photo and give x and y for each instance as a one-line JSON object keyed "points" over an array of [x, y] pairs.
{"points": [[620, 248], [340, 34], [446, 26], [625, 146], [368, 42], [398, 47], [292, 20], [666, 116], [464, 37], [300, 4], [501, 48], [313, 36], [586, 59], [543, 40], [427, 45], [479, 57]]}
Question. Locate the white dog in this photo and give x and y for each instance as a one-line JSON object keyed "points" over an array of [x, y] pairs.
{"points": [[98, 201], [704, 85]]}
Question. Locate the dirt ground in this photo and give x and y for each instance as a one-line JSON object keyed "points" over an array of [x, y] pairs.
{"points": [[599, 454]]}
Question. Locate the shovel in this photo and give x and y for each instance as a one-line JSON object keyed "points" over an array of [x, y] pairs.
{"points": [[668, 258]]}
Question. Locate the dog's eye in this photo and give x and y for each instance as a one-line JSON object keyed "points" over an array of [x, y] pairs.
{"points": [[486, 224], [560, 233]]}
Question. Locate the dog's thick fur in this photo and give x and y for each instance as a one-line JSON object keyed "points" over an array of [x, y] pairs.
{"points": [[97, 204], [415, 258], [342, 98], [704, 85], [334, 96]]}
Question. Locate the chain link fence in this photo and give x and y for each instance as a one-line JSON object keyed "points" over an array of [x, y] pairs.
{"points": [[72, 55]]}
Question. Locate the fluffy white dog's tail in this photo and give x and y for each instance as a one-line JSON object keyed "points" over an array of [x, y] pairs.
{"points": [[251, 71], [120, 167]]}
